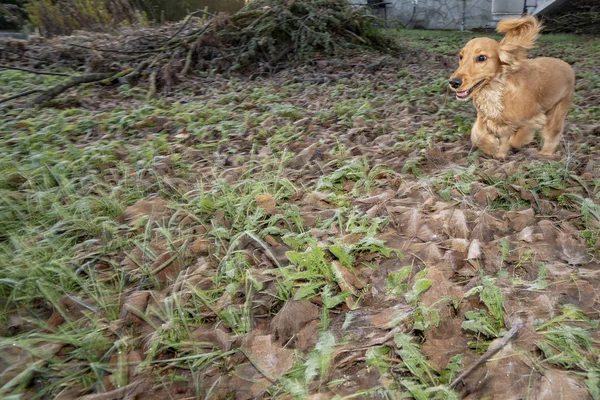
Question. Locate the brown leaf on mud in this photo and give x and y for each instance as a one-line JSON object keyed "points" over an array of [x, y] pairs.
{"points": [[412, 224], [442, 292], [486, 195], [457, 225], [214, 336], [444, 341], [524, 306], [307, 338], [15, 360], [517, 220], [167, 266], [267, 203], [140, 385], [301, 159], [555, 384], [71, 308], [526, 234], [578, 292], [454, 260], [292, 317], [351, 238], [508, 373], [491, 257], [525, 194], [317, 199], [435, 158], [573, 250], [380, 318], [246, 382], [269, 358], [548, 231], [155, 208], [487, 228], [429, 253], [474, 250], [310, 218], [377, 199], [459, 245], [346, 279], [200, 247], [395, 241], [134, 306]]}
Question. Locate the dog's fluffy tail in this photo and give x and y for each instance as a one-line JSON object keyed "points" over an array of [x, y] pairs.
{"points": [[521, 34]]}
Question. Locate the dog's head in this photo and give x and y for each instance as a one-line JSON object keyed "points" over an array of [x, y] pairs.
{"points": [[482, 59], [479, 62]]}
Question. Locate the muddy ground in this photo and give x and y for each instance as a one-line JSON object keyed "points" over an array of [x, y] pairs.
{"points": [[324, 232]]}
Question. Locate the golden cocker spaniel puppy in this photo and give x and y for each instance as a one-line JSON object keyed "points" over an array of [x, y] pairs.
{"points": [[514, 96]]}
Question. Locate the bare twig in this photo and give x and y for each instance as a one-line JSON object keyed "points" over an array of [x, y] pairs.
{"points": [[69, 83], [189, 18], [115, 51], [22, 94], [21, 55], [152, 85], [132, 76], [32, 71], [490, 353]]}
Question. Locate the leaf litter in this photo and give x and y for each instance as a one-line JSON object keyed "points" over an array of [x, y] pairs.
{"points": [[297, 237]]}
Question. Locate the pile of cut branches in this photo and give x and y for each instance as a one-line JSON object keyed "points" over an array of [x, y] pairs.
{"points": [[258, 39], [580, 17]]}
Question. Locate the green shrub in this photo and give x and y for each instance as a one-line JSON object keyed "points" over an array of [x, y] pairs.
{"points": [[65, 16]]}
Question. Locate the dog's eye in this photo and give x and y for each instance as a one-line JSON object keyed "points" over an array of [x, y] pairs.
{"points": [[460, 57], [481, 58]]}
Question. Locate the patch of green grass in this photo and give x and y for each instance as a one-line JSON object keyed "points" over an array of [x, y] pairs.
{"points": [[490, 323], [14, 82], [568, 342], [357, 170]]}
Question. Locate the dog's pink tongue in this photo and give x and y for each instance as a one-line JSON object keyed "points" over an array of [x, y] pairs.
{"points": [[462, 94]]}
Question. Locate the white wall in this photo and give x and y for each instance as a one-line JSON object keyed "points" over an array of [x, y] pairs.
{"points": [[441, 14]]}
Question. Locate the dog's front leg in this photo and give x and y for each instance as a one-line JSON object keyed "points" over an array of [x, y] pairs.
{"points": [[483, 138], [504, 133], [504, 147]]}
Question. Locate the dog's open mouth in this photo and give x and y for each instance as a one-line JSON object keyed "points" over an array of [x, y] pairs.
{"points": [[466, 93]]}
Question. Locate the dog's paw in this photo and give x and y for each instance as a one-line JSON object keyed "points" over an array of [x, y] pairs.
{"points": [[538, 155], [501, 155]]}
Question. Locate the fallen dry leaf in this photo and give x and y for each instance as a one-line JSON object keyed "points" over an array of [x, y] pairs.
{"points": [[573, 250], [457, 225], [267, 203], [474, 250], [556, 384], [155, 208], [271, 360], [292, 317], [301, 159]]}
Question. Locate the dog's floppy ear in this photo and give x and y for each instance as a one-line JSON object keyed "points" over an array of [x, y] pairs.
{"points": [[521, 34]]}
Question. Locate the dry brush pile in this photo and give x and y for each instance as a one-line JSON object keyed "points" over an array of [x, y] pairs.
{"points": [[256, 40]]}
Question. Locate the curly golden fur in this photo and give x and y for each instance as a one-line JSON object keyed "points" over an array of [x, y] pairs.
{"points": [[514, 96]]}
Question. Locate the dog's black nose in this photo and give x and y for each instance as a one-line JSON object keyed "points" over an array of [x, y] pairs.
{"points": [[455, 82]]}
